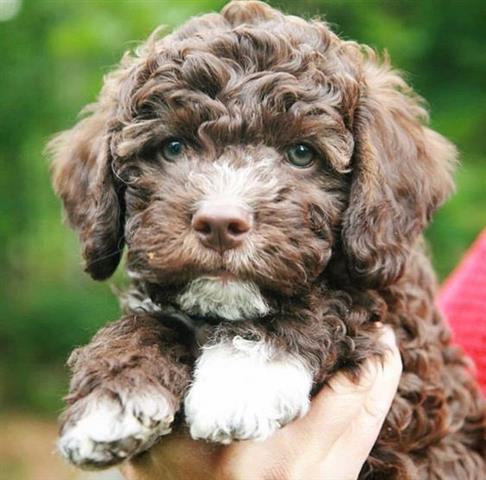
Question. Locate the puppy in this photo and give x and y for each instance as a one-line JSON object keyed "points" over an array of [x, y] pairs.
{"points": [[270, 183]]}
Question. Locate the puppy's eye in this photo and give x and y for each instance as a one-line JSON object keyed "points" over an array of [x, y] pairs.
{"points": [[173, 149], [300, 155]]}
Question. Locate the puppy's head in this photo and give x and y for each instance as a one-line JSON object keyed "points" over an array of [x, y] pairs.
{"points": [[250, 147]]}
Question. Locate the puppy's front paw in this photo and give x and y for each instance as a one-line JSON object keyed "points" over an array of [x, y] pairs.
{"points": [[243, 391], [103, 429]]}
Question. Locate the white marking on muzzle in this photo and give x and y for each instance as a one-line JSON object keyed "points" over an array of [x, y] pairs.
{"points": [[229, 184]]}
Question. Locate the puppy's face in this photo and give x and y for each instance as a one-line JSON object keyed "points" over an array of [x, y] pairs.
{"points": [[235, 156], [241, 213], [257, 203]]}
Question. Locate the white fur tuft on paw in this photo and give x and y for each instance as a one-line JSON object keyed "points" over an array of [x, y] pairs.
{"points": [[243, 390], [111, 430]]}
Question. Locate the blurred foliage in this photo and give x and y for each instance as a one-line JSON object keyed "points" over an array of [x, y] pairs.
{"points": [[54, 54]]}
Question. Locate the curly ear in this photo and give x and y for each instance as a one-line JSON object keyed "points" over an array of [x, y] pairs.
{"points": [[401, 174], [83, 178]]}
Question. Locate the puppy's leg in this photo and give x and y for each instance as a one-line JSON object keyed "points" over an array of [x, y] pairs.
{"points": [[246, 389], [257, 376], [126, 387]]}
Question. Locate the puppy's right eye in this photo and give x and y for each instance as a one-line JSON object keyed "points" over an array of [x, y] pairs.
{"points": [[173, 149]]}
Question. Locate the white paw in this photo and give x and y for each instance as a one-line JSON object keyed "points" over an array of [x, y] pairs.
{"points": [[243, 390], [112, 429]]}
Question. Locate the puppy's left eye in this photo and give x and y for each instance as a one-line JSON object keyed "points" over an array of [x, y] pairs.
{"points": [[173, 149], [301, 155]]}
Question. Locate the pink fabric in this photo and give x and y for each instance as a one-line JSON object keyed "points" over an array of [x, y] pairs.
{"points": [[463, 300]]}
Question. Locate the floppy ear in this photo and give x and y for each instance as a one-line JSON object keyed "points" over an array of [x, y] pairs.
{"points": [[401, 174], [83, 178]]}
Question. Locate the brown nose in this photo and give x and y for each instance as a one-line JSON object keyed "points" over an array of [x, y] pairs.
{"points": [[222, 227]]}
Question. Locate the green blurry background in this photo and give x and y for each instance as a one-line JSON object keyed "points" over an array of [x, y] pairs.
{"points": [[53, 56]]}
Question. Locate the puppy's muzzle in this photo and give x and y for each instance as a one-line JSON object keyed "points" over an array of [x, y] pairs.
{"points": [[222, 226]]}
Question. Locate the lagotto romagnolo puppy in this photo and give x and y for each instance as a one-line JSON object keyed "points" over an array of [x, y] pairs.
{"points": [[270, 182]]}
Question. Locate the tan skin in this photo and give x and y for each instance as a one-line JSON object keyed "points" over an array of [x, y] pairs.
{"points": [[331, 442]]}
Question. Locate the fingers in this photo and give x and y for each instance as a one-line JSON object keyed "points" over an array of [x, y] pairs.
{"points": [[343, 400], [357, 439], [386, 376], [353, 414]]}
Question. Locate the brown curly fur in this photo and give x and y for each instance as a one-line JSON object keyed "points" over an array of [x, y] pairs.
{"points": [[337, 247]]}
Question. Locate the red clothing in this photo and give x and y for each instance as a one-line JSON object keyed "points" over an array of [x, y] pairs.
{"points": [[463, 301]]}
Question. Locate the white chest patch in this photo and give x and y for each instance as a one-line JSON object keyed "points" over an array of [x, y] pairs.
{"points": [[233, 300], [244, 390]]}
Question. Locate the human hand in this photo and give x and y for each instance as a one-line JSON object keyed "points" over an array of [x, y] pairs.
{"points": [[331, 442]]}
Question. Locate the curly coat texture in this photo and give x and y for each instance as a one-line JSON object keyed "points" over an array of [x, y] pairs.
{"points": [[336, 248]]}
